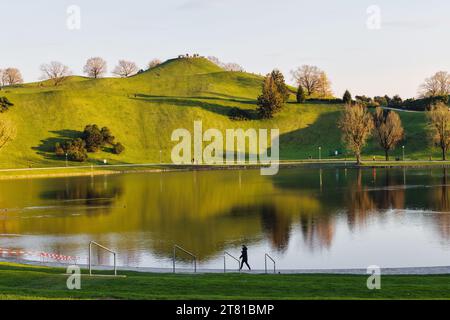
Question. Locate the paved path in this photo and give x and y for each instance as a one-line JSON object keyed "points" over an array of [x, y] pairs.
{"points": [[384, 271]]}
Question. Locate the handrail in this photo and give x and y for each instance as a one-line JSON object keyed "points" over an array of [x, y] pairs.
{"points": [[265, 263], [175, 247], [104, 248], [225, 254]]}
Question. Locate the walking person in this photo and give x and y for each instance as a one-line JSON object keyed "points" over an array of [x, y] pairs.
{"points": [[244, 258]]}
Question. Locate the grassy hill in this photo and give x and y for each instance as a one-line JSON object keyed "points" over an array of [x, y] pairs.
{"points": [[143, 110]]}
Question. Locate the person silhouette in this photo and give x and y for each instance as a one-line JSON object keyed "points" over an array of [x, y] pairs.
{"points": [[244, 258]]}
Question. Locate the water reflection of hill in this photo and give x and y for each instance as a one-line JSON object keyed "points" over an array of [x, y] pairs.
{"points": [[207, 211]]}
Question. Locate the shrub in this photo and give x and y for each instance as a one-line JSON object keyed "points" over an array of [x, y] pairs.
{"points": [[5, 104], [107, 136], [118, 148], [93, 138], [59, 150], [75, 149]]}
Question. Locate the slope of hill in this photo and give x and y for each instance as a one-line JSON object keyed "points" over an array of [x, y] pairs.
{"points": [[143, 110]]}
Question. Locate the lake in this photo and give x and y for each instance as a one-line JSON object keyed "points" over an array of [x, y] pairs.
{"points": [[302, 217]]}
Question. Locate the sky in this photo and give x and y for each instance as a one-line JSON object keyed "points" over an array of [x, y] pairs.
{"points": [[372, 47]]}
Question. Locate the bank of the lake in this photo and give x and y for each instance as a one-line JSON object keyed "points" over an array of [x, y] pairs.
{"points": [[78, 171], [35, 282]]}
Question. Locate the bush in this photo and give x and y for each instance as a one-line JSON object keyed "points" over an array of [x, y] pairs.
{"points": [[77, 155], [118, 148], [59, 150], [75, 149], [239, 114], [93, 138], [108, 138], [5, 104]]}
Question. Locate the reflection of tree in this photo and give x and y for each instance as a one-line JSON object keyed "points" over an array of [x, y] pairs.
{"points": [[362, 201], [317, 231], [277, 226], [442, 203], [80, 191], [392, 194], [359, 202]]}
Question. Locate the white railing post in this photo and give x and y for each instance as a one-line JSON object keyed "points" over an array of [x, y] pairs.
{"points": [[194, 257], [265, 263], [104, 248], [224, 261]]}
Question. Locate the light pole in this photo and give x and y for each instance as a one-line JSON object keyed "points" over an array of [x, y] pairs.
{"points": [[66, 159], [320, 153], [403, 153]]}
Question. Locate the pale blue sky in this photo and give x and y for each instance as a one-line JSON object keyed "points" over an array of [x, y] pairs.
{"points": [[412, 43]]}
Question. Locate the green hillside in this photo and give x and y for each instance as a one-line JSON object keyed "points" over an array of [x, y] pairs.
{"points": [[143, 110]]}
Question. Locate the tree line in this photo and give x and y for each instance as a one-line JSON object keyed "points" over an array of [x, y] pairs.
{"points": [[57, 72], [358, 124]]}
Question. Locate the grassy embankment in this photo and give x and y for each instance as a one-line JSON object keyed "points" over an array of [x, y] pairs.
{"points": [[34, 282], [143, 110]]}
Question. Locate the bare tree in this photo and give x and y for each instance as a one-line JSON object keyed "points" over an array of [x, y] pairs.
{"points": [[388, 126], [125, 69], [95, 67], [154, 63], [215, 60], [7, 132], [2, 79], [55, 71], [232, 66], [439, 123], [312, 79], [437, 85], [11, 76], [356, 124]]}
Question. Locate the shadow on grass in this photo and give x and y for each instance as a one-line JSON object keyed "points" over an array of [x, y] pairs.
{"points": [[47, 146], [196, 102]]}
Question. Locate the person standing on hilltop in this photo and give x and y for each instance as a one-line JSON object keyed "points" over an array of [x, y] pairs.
{"points": [[244, 258]]}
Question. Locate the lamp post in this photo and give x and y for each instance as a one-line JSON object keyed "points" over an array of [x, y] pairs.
{"points": [[320, 153], [66, 159], [403, 153]]}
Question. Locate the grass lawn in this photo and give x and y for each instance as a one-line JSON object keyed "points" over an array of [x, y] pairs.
{"points": [[34, 282]]}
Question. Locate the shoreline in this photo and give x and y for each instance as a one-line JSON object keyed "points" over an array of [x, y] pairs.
{"points": [[424, 270], [80, 171]]}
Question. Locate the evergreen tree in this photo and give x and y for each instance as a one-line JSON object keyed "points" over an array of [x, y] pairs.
{"points": [[278, 78], [347, 97], [271, 100], [301, 95]]}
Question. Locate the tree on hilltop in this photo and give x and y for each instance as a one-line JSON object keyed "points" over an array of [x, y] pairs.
{"points": [[95, 67]]}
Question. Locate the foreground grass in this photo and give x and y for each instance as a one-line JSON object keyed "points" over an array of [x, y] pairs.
{"points": [[31, 282]]}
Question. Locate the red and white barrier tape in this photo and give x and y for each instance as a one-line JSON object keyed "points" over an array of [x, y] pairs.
{"points": [[54, 256]]}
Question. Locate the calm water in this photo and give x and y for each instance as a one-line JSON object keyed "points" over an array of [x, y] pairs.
{"points": [[304, 218]]}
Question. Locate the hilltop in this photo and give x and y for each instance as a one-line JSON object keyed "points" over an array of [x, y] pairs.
{"points": [[143, 110]]}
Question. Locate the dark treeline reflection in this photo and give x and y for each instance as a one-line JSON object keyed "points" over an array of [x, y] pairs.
{"points": [[208, 211]]}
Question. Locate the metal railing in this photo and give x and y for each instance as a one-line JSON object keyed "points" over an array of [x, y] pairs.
{"points": [[225, 254], [104, 248], [265, 263], [194, 257]]}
